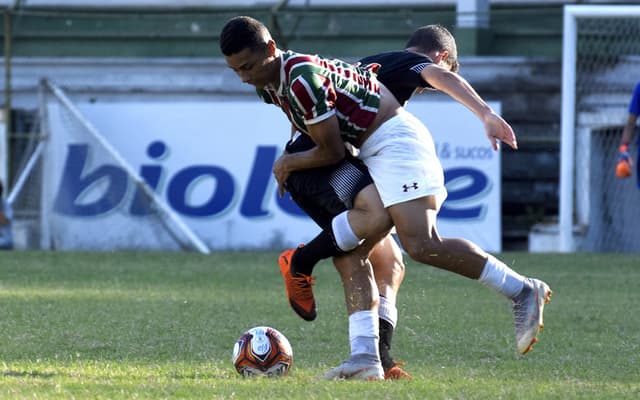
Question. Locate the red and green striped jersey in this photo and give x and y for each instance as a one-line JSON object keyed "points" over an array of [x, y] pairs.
{"points": [[313, 88]]}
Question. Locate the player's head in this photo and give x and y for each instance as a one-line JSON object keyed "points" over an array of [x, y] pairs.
{"points": [[436, 42], [250, 51]]}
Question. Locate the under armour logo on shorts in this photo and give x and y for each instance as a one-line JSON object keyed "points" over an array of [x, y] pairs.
{"points": [[407, 187]]}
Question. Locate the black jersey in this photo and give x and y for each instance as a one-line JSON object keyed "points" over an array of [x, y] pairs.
{"points": [[400, 72]]}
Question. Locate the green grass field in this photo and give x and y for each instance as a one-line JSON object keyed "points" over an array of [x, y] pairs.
{"points": [[163, 325]]}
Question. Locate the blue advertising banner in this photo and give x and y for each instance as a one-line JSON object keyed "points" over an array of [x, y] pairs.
{"points": [[210, 162]]}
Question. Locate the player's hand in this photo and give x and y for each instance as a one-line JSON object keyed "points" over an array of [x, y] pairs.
{"points": [[623, 168], [281, 173], [498, 130]]}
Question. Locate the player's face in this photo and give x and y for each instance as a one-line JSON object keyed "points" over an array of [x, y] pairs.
{"points": [[255, 67]]}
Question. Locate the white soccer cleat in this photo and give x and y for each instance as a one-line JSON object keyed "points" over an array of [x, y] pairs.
{"points": [[355, 370], [528, 307]]}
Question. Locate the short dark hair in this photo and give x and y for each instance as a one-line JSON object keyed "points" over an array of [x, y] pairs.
{"points": [[243, 32], [435, 37]]}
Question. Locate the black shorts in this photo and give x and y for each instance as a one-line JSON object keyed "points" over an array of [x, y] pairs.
{"points": [[325, 192]]}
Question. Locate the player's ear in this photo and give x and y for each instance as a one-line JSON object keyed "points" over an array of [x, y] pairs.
{"points": [[271, 47], [444, 55]]}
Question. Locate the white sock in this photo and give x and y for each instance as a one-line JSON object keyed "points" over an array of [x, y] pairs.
{"points": [[388, 311], [363, 333], [501, 278], [346, 239]]}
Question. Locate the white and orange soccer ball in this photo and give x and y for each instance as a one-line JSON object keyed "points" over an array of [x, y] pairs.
{"points": [[262, 351]]}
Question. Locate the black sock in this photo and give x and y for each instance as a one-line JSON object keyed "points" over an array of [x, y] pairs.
{"points": [[305, 258], [386, 334]]}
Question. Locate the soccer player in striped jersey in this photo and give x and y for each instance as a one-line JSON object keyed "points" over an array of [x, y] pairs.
{"points": [[245, 43], [334, 102]]}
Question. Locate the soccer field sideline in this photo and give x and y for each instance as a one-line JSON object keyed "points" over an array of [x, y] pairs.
{"points": [[163, 325]]}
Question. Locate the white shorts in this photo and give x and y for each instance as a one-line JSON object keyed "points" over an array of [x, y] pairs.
{"points": [[402, 161]]}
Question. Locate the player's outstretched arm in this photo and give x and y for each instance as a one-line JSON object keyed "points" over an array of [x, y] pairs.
{"points": [[496, 128]]}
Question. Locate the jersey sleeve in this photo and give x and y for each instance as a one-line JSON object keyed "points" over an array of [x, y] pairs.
{"points": [[400, 71], [315, 97], [417, 68]]}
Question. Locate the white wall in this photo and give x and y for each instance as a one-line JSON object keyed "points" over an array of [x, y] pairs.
{"points": [[112, 79]]}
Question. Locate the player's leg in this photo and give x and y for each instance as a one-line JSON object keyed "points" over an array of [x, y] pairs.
{"points": [[418, 234], [318, 194], [361, 299], [402, 150], [388, 270], [361, 294], [366, 218], [415, 222]]}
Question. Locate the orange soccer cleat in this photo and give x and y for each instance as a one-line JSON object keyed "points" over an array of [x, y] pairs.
{"points": [[299, 288], [396, 372]]}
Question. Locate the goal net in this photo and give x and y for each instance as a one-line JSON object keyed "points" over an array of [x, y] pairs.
{"points": [[601, 65], [81, 194]]}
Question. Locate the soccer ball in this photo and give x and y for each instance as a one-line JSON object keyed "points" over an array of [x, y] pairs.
{"points": [[262, 351]]}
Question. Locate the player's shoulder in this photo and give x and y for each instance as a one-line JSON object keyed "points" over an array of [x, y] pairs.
{"points": [[384, 54], [296, 61], [397, 56], [303, 66]]}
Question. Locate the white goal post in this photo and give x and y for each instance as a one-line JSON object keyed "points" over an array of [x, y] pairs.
{"points": [[52, 219], [575, 207]]}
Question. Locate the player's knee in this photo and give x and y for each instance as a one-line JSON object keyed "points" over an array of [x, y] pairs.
{"points": [[368, 202], [422, 249], [380, 220]]}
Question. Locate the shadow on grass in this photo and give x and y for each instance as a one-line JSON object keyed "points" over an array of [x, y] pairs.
{"points": [[27, 374]]}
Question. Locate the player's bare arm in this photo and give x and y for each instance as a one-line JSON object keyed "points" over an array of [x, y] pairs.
{"points": [[496, 128], [329, 150], [627, 133]]}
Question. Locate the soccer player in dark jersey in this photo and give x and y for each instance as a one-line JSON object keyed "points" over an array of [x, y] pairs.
{"points": [[324, 193], [400, 72], [334, 102]]}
